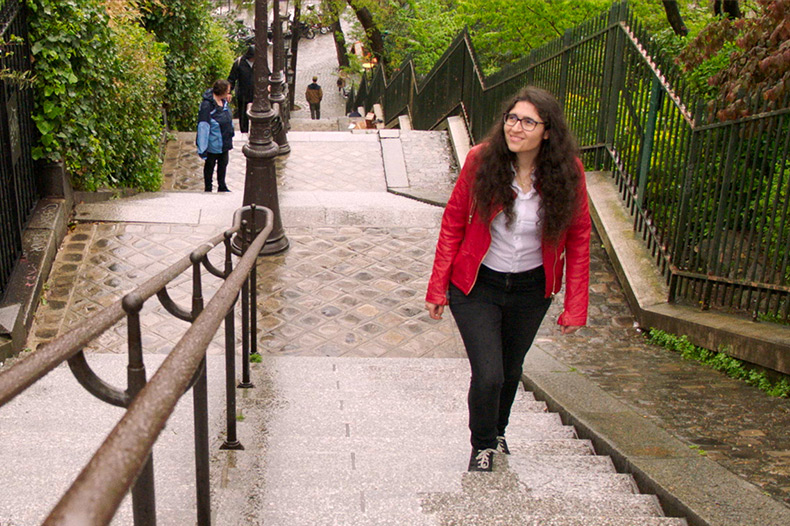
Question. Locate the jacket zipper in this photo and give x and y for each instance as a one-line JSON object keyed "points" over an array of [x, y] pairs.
{"points": [[477, 272]]}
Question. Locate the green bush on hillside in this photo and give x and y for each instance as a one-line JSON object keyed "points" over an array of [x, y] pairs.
{"points": [[98, 87], [198, 53]]}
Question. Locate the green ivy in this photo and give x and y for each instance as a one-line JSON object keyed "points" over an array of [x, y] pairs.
{"points": [[198, 53], [98, 87], [720, 361]]}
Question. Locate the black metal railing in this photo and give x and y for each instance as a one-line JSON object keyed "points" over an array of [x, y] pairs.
{"points": [[709, 198], [18, 191], [124, 460]]}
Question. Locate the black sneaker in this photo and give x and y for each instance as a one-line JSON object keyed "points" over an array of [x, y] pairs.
{"points": [[501, 445], [482, 460]]}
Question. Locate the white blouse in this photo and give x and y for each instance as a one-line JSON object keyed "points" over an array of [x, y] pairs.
{"points": [[517, 248]]}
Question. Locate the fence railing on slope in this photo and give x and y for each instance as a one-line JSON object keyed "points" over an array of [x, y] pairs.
{"points": [[709, 198], [125, 460], [18, 191]]}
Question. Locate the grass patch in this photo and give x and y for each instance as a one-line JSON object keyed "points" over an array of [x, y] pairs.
{"points": [[255, 358], [722, 362]]}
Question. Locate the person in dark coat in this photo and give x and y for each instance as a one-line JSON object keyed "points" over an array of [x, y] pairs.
{"points": [[242, 82], [314, 94], [215, 133]]}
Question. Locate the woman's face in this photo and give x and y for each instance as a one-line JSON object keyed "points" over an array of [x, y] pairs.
{"points": [[519, 140]]}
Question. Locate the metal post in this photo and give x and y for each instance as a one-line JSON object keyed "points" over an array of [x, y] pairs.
{"points": [[260, 184], [245, 318], [202, 471], [656, 99], [277, 80], [143, 491], [231, 441], [200, 413]]}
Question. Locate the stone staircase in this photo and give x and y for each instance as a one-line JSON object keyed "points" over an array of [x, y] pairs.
{"points": [[355, 441], [338, 440]]}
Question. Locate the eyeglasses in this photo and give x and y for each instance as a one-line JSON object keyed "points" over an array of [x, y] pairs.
{"points": [[528, 124]]}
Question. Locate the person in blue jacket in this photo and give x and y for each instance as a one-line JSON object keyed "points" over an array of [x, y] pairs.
{"points": [[215, 133]]}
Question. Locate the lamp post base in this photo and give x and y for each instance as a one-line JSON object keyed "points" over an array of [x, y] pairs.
{"points": [[275, 246], [271, 247]]}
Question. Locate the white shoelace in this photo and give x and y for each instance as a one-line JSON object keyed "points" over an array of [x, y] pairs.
{"points": [[484, 458]]}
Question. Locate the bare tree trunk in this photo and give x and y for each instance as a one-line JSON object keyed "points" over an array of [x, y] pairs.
{"points": [[371, 30], [337, 32], [729, 7], [674, 17], [340, 44]]}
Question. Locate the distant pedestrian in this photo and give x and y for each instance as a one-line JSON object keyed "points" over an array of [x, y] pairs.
{"points": [[242, 83], [341, 83], [215, 133], [314, 94], [516, 220]]}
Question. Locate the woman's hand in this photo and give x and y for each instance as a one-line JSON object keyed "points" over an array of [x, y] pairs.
{"points": [[570, 329], [434, 310]]}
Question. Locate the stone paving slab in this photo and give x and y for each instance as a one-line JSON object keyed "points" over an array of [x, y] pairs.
{"points": [[395, 404]]}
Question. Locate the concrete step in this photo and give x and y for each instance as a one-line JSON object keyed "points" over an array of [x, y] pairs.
{"points": [[360, 519], [476, 500], [392, 513], [343, 403], [351, 499], [537, 427], [459, 443], [302, 124], [432, 457], [359, 441]]}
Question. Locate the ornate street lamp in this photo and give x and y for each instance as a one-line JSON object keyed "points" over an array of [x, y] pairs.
{"points": [[277, 95], [260, 183]]}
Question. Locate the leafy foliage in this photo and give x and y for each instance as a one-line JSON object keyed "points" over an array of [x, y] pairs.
{"points": [[503, 31], [94, 85], [753, 54], [421, 30], [198, 53]]}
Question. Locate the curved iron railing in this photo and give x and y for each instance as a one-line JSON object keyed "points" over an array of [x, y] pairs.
{"points": [[124, 460]]}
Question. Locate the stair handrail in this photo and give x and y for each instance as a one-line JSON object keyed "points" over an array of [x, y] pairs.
{"points": [[124, 458]]}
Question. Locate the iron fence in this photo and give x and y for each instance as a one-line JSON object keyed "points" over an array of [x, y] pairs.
{"points": [[125, 460], [709, 198], [18, 192]]}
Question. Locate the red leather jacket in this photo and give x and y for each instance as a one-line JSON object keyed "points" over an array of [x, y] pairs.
{"points": [[465, 237]]}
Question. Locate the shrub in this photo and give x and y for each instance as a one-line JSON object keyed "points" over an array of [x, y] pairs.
{"points": [[198, 53], [94, 86]]}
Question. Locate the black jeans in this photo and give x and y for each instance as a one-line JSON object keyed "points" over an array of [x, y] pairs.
{"points": [[219, 159], [498, 321], [244, 120]]}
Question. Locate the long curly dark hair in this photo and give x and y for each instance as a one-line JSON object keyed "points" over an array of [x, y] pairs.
{"points": [[557, 175]]}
